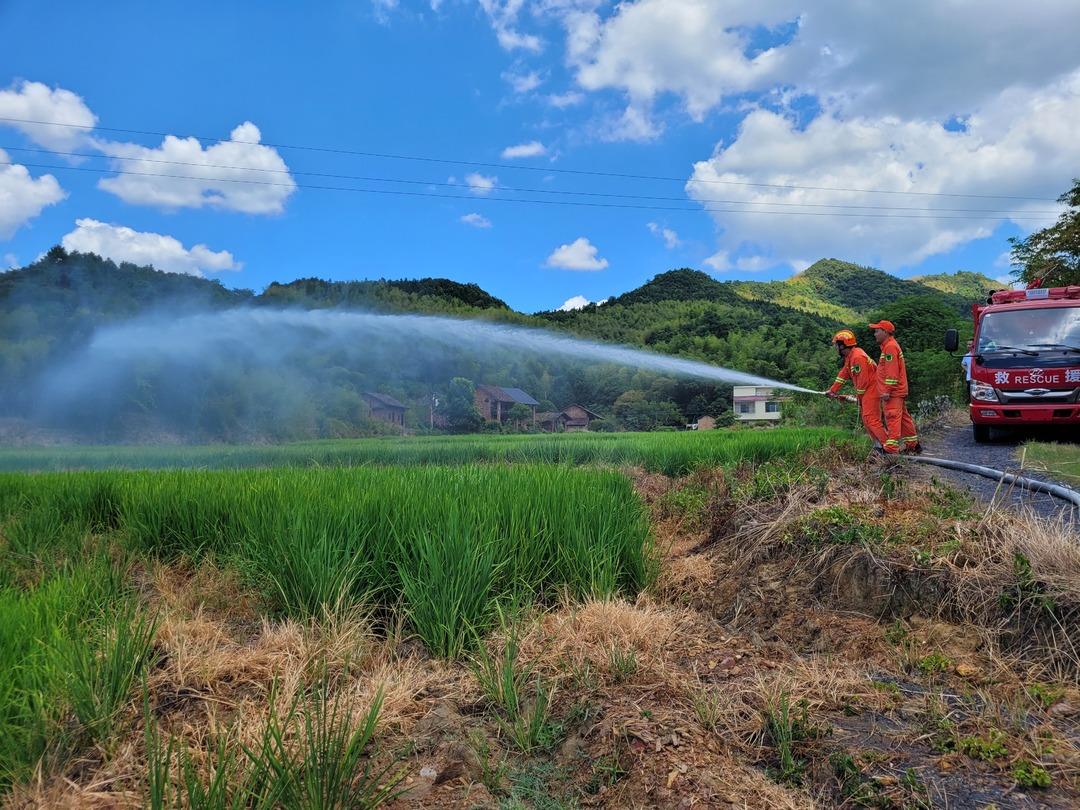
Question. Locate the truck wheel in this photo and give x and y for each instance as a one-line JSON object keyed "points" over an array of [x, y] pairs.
{"points": [[981, 433]]}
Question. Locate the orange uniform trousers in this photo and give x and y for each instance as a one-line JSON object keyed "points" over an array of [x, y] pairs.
{"points": [[899, 425], [870, 413]]}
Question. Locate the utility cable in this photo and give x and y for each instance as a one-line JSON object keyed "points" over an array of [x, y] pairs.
{"points": [[517, 190], [513, 167], [482, 198]]}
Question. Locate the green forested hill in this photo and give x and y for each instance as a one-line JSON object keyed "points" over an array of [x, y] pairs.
{"points": [[422, 295], [974, 286], [849, 292], [297, 384]]}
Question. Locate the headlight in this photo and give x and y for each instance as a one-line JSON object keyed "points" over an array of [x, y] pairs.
{"points": [[983, 392]]}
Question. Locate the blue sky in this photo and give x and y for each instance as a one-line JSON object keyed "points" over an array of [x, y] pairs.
{"points": [[809, 103]]}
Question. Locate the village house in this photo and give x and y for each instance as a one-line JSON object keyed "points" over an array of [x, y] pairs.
{"points": [[385, 407], [578, 417], [494, 402], [756, 403], [571, 419], [705, 423]]}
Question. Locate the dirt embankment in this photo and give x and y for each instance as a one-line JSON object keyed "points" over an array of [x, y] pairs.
{"points": [[821, 634]]}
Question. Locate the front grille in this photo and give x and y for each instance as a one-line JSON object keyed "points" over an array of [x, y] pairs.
{"points": [[1052, 396]]}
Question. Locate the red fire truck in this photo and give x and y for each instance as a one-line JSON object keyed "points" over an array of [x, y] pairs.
{"points": [[1025, 360]]}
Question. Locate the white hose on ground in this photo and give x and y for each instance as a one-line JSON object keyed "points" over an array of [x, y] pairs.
{"points": [[1070, 495], [1031, 484]]}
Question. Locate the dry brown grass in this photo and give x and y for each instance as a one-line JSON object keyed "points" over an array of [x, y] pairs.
{"points": [[587, 634]]}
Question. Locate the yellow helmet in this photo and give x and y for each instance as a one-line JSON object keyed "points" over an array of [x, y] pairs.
{"points": [[844, 336]]}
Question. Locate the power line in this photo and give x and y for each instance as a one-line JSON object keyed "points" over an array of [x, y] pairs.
{"points": [[475, 198], [517, 190], [513, 167]]}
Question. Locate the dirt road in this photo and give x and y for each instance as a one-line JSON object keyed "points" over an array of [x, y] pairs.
{"points": [[953, 440]]}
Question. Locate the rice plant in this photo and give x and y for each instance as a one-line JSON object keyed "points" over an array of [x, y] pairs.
{"points": [[667, 452], [446, 545], [101, 675], [41, 630], [329, 768]]}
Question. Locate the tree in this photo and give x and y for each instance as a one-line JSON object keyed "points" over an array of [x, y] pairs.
{"points": [[920, 320], [461, 413], [1051, 257], [57, 254], [636, 412], [520, 414], [698, 406]]}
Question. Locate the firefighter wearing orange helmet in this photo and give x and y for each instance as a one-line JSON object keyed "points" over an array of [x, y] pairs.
{"points": [[860, 370], [892, 387]]}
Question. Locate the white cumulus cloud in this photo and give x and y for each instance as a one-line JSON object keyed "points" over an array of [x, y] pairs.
{"points": [[525, 150], [166, 253], [580, 254], [855, 57], [1021, 143], [670, 237], [503, 15], [10, 262], [22, 196], [580, 302], [197, 177], [722, 262], [523, 82], [480, 184], [476, 220], [570, 98], [576, 302], [34, 101]]}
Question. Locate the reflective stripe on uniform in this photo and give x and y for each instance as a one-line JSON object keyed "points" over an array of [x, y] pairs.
{"points": [[840, 380], [891, 381], [910, 439], [860, 390]]}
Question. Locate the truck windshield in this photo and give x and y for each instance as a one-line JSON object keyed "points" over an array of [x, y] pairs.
{"points": [[1046, 330]]}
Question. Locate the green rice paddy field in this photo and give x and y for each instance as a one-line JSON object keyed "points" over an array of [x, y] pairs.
{"points": [[423, 533], [671, 453]]}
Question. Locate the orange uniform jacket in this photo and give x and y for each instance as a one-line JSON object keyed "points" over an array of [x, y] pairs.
{"points": [[859, 368], [891, 371]]}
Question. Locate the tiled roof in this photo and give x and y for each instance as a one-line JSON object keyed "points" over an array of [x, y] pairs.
{"points": [[507, 394], [517, 395], [385, 400]]}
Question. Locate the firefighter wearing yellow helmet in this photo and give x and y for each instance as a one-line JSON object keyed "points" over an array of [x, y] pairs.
{"points": [[861, 371]]}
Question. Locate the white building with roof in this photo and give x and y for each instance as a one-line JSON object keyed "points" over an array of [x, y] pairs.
{"points": [[756, 403]]}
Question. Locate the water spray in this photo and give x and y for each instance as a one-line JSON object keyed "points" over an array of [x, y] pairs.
{"points": [[201, 337]]}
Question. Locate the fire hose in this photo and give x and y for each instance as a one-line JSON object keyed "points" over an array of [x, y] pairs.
{"points": [[1030, 484]]}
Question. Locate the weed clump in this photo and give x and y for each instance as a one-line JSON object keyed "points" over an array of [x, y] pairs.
{"points": [[934, 664], [1030, 775], [986, 748], [786, 727], [838, 526]]}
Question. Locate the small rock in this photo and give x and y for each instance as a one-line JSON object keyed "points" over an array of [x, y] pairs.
{"points": [[1062, 709], [427, 772], [572, 749], [453, 770]]}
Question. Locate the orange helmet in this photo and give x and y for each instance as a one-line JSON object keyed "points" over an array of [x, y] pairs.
{"points": [[844, 336]]}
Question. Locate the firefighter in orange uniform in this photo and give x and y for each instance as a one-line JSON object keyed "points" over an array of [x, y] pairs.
{"points": [[893, 389], [860, 369]]}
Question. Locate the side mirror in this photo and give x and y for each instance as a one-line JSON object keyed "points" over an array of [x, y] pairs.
{"points": [[952, 340]]}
